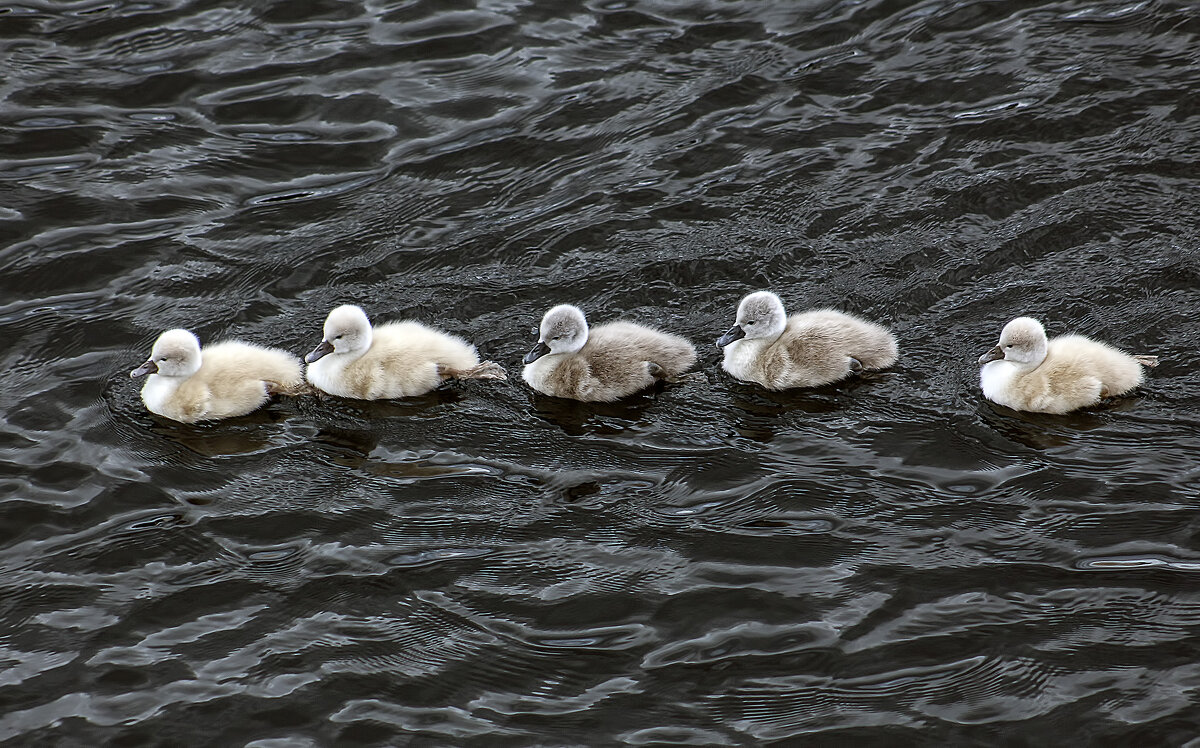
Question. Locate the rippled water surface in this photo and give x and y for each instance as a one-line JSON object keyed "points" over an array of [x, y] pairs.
{"points": [[890, 560]]}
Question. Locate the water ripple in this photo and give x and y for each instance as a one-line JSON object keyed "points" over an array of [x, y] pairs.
{"points": [[888, 559]]}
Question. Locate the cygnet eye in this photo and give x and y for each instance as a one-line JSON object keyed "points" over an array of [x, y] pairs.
{"points": [[1010, 345], [337, 337]]}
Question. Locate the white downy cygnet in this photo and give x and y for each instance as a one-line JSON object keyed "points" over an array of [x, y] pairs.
{"points": [[223, 380], [605, 363], [1028, 372], [804, 350], [396, 359]]}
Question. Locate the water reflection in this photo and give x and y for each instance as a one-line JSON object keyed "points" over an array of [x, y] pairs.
{"points": [[577, 418]]}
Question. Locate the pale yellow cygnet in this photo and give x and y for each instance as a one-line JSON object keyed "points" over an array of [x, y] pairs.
{"points": [[603, 363], [1025, 371], [392, 360], [809, 349], [223, 380]]}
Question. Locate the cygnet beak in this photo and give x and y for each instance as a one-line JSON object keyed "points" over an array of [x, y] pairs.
{"points": [[995, 354], [147, 368], [735, 333], [539, 350], [324, 349]]}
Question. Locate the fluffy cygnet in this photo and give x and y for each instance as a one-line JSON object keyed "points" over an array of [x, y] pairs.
{"points": [[223, 380], [805, 350], [397, 359], [1028, 372], [604, 363]]}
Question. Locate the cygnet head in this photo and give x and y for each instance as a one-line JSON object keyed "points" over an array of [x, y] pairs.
{"points": [[176, 353], [347, 330], [1022, 341], [760, 315], [564, 330]]}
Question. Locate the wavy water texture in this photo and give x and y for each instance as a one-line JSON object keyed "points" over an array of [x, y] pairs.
{"points": [[886, 561]]}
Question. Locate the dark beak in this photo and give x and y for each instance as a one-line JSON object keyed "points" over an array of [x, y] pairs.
{"points": [[539, 350], [735, 333], [995, 354], [147, 368], [324, 349]]}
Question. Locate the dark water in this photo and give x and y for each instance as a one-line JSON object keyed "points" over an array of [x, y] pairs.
{"points": [[887, 561]]}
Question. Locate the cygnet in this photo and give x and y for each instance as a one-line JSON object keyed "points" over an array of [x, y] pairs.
{"points": [[605, 363], [223, 380], [1028, 372], [396, 359], [804, 350]]}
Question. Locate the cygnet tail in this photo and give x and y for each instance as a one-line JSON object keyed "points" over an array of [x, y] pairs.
{"points": [[483, 370], [291, 389], [1149, 361]]}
